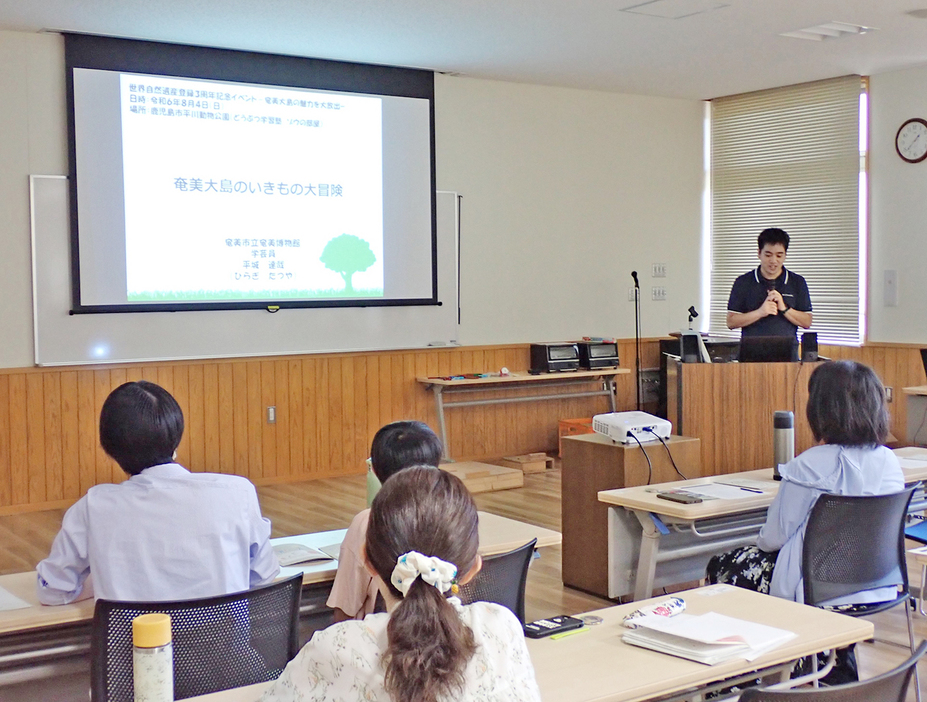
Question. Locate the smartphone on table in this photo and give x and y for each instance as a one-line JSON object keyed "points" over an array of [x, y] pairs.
{"points": [[552, 625]]}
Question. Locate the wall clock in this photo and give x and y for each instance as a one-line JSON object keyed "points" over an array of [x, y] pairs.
{"points": [[911, 140]]}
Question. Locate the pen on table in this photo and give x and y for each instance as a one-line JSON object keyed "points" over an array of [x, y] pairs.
{"points": [[554, 637], [741, 487]]}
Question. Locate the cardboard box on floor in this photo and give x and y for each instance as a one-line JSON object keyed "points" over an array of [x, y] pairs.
{"points": [[529, 462], [484, 477]]}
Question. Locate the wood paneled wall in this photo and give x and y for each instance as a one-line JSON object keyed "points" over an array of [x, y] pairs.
{"points": [[328, 408], [729, 407], [899, 366]]}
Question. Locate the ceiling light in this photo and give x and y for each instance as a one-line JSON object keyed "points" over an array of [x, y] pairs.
{"points": [[673, 9], [829, 30]]}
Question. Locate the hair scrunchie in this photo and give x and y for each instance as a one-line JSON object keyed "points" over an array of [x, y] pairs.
{"points": [[433, 571]]}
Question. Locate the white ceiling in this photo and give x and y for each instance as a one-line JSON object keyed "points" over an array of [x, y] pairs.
{"points": [[594, 44]]}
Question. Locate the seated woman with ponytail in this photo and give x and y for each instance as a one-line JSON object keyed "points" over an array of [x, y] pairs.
{"points": [[421, 544]]}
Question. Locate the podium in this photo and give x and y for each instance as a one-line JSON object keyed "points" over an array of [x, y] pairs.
{"points": [[593, 462], [730, 406]]}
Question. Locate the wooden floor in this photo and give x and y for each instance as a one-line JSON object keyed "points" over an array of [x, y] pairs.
{"points": [[318, 505]]}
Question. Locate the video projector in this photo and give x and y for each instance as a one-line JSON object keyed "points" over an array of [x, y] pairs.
{"points": [[624, 427]]}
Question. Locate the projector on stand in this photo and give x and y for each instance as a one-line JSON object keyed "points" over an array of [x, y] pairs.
{"points": [[624, 427]]}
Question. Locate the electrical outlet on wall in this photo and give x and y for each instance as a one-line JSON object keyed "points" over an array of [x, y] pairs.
{"points": [[631, 294], [658, 270], [658, 293]]}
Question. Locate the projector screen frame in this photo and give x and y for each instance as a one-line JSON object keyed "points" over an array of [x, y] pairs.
{"points": [[205, 63]]}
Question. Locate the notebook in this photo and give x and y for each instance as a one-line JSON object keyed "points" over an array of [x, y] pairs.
{"points": [[706, 638], [10, 601], [291, 554]]}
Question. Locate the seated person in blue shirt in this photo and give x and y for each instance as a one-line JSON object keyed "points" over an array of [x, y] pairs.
{"points": [[770, 300], [849, 420], [163, 534]]}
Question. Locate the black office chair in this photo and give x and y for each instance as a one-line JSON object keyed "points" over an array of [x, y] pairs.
{"points": [[888, 687], [857, 543], [219, 642], [502, 580]]}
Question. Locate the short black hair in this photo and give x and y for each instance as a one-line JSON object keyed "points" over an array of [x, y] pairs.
{"points": [[141, 425], [773, 235], [403, 444], [846, 405]]}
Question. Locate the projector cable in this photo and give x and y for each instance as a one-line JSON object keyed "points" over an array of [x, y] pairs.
{"points": [[801, 364], [668, 453], [649, 464]]}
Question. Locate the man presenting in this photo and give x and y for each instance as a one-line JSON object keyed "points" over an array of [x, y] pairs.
{"points": [[770, 301]]}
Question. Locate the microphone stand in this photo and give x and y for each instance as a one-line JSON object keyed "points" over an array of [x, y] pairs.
{"points": [[637, 339]]}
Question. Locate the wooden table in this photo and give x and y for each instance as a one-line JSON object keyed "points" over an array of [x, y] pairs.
{"points": [[59, 637], [598, 666], [654, 543], [645, 531], [518, 381]]}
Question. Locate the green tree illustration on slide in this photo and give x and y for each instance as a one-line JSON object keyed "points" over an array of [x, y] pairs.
{"points": [[346, 255]]}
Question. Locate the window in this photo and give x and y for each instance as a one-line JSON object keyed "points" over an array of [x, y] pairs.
{"points": [[794, 158]]}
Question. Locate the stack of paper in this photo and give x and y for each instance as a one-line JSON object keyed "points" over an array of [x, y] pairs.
{"points": [[706, 638], [10, 601], [290, 554]]}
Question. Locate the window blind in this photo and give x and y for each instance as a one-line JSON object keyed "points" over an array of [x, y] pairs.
{"points": [[790, 157]]}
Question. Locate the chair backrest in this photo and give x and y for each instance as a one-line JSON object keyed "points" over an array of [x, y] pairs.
{"points": [[853, 544], [502, 580], [888, 687], [219, 642]]}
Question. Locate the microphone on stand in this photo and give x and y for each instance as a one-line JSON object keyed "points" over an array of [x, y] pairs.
{"points": [[637, 338]]}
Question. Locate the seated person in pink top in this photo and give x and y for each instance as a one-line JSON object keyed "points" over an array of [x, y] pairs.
{"points": [[396, 446]]}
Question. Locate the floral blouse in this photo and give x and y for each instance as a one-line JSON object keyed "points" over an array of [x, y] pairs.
{"points": [[342, 663]]}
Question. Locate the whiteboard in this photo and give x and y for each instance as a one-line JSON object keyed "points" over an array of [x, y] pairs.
{"points": [[65, 339]]}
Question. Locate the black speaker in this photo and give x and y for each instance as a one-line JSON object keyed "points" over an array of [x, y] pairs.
{"points": [[809, 347]]}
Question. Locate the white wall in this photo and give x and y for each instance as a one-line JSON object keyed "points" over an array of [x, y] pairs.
{"points": [[564, 193], [33, 139], [899, 210]]}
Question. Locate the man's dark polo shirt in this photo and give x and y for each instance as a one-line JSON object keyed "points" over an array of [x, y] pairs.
{"points": [[749, 292]]}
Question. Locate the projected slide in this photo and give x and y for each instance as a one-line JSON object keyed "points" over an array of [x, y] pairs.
{"points": [[241, 192]]}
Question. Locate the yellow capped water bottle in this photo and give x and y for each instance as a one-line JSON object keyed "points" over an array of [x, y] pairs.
{"points": [[152, 658]]}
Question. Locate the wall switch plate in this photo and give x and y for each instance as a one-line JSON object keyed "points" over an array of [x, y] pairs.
{"points": [[890, 288], [271, 415], [888, 394], [631, 294], [658, 293], [658, 270]]}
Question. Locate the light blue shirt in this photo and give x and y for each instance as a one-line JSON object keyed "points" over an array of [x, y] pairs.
{"points": [[833, 469], [165, 534]]}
